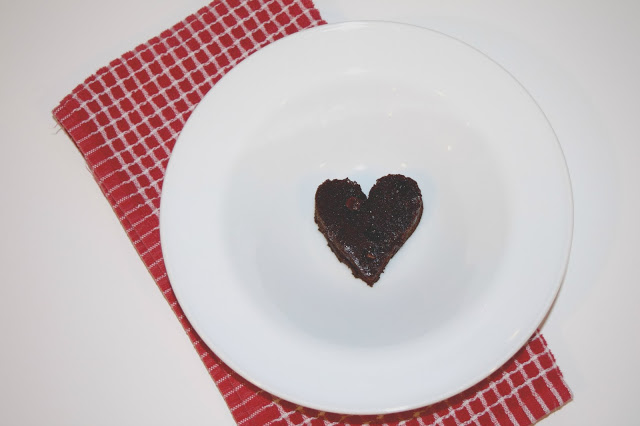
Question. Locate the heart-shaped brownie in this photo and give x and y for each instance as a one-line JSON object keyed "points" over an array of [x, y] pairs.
{"points": [[365, 233]]}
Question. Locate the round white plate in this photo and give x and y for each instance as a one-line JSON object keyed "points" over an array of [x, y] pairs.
{"points": [[361, 100]]}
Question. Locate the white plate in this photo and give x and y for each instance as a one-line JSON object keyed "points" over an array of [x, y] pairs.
{"points": [[360, 100]]}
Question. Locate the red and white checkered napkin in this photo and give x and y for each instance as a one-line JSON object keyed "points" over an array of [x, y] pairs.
{"points": [[125, 120]]}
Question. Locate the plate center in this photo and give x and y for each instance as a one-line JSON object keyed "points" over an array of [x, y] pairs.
{"points": [[364, 131]]}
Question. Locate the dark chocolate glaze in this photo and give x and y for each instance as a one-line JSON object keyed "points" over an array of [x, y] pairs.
{"points": [[365, 233]]}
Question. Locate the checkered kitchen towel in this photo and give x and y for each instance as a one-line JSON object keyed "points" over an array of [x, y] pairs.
{"points": [[125, 120]]}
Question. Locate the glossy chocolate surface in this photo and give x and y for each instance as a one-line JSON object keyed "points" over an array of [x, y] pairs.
{"points": [[366, 232]]}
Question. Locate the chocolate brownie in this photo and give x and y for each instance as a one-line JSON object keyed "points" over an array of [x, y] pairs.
{"points": [[365, 233]]}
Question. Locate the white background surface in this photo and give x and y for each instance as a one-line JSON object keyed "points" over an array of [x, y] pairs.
{"points": [[88, 339]]}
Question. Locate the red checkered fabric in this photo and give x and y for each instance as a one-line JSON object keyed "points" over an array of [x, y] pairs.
{"points": [[125, 120]]}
